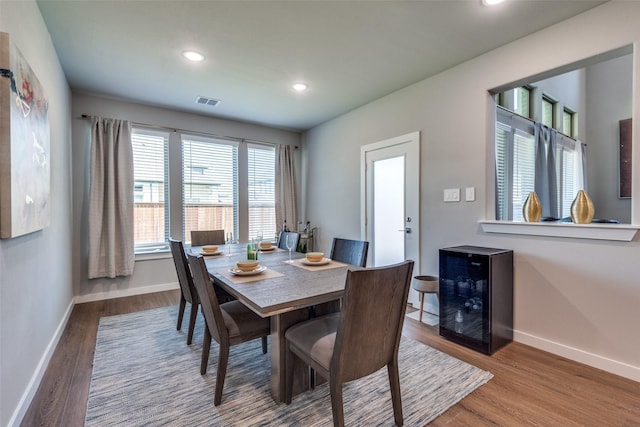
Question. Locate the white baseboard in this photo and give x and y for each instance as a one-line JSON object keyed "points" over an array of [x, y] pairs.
{"points": [[119, 293], [34, 383], [594, 360]]}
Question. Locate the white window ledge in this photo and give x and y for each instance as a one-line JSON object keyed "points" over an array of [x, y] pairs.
{"points": [[619, 232]]}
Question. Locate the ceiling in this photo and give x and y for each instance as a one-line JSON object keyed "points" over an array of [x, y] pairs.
{"points": [[348, 52]]}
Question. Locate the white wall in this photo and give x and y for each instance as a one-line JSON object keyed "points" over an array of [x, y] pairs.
{"points": [[149, 274], [35, 270], [574, 297]]}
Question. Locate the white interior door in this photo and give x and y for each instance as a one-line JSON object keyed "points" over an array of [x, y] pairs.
{"points": [[390, 172]]}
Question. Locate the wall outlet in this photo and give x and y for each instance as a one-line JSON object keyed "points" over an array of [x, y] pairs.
{"points": [[451, 194]]}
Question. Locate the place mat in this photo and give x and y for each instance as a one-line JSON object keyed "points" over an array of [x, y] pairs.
{"points": [[332, 264], [272, 251], [267, 274]]}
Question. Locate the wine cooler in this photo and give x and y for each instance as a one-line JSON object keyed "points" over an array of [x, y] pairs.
{"points": [[476, 297]]}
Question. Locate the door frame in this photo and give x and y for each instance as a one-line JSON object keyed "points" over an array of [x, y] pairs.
{"points": [[412, 138]]}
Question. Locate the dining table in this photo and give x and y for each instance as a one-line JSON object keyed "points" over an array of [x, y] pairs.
{"points": [[286, 293]]}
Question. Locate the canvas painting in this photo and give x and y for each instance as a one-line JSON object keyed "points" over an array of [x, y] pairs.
{"points": [[24, 146]]}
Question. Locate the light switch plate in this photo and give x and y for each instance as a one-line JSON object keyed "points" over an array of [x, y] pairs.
{"points": [[451, 194], [470, 194]]}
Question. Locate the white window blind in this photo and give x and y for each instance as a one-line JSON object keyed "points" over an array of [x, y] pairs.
{"points": [[524, 173], [210, 185], [515, 164], [261, 171], [151, 225]]}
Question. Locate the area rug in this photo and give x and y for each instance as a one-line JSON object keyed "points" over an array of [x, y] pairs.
{"points": [[144, 374]]}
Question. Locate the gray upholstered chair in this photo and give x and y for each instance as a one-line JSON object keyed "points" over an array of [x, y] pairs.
{"points": [[207, 237], [229, 324], [359, 340], [282, 242], [352, 252], [188, 292]]}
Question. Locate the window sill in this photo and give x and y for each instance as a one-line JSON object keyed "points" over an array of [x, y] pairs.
{"points": [[148, 256], [618, 232]]}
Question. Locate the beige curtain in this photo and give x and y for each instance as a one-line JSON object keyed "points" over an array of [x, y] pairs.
{"points": [[111, 243], [286, 206]]}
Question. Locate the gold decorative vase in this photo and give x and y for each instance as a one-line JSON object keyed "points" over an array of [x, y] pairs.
{"points": [[532, 209], [582, 209]]}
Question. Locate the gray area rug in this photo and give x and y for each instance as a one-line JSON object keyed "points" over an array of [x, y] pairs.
{"points": [[144, 374]]}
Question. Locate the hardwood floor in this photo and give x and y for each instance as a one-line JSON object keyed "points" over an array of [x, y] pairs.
{"points": [[529, 387]]}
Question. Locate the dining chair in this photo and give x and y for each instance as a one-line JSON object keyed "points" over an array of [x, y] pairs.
{"points": [[282, 242], [352, 252], [229, 324], [359, 340], [207, 237], [188, 292]]}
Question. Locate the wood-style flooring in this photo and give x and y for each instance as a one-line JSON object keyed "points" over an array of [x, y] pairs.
{"points": [[529, 388]]}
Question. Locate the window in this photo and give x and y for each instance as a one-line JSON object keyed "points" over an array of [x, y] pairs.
{"points": [[515, 166], [150, 213], [261, 186], [210, 185], [569, 126], [522, 101], [547, 111], [202, 175]]}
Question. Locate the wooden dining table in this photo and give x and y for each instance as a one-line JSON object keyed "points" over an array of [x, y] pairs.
{"points": [[285, 293]]}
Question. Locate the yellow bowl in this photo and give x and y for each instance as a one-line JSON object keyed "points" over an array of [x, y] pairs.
{"points": [[315, 256], [247, 265], [210, 249]]}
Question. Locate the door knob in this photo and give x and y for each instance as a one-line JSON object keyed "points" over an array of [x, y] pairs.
{"points": [[406, 230]]}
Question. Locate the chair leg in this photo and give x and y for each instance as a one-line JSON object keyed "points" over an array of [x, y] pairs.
{"points": [[421, 305], [223, 359], [396, 397], [192, 321], [183, 303], [264, 345], [206, 346], [337, 409]]}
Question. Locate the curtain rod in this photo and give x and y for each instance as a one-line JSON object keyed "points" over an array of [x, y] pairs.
{"points": [[513, 114], [232, 138]]}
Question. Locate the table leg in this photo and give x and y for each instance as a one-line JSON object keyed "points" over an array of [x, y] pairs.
{"points": [[279, 325]]}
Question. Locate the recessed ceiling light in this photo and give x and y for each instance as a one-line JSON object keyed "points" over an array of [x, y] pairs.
{"points": [[192, 55], [491, 2], [299, 87]]}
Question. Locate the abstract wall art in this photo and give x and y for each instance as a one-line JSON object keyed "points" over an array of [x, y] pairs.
{"points": [[25, 178]]}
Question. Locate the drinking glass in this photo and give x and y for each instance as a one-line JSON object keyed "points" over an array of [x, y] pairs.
{"points": [[229, 242], [290, 242], [259, 237]]}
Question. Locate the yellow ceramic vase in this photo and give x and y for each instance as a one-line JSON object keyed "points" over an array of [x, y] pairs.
{"points": [[532, 209], [582, 209]]}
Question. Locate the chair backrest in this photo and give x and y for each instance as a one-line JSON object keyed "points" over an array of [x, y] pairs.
{"points": [[208, 299], [371, 318], [282, 243], [183, 271], [352, 252], [207, 237]]}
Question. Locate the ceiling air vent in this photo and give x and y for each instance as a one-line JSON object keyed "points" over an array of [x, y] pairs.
{"points": [[207, 101]]}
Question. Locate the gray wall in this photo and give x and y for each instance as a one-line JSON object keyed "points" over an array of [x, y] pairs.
{"points": [[35, 270], [610, 101], [151, 273], [573, 297]]}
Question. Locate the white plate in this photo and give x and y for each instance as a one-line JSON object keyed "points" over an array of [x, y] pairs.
{"points": [[218, 252], [324, 261], [268, 249], [238, 272]]}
